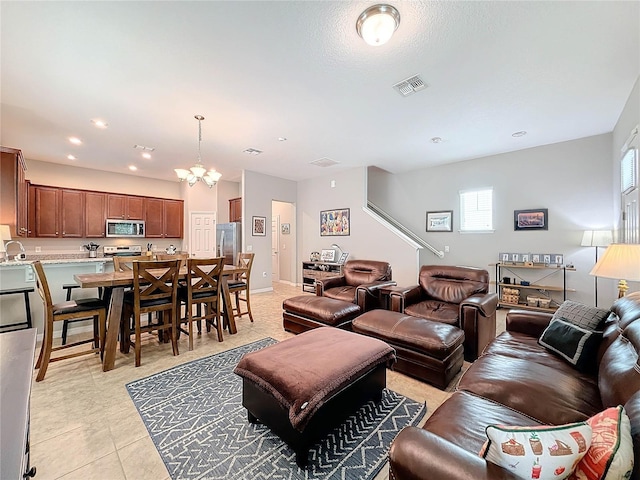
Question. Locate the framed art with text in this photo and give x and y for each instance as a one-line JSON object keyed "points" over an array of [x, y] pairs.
{"points": [[535, 219], [440, 221], [259, 226]]}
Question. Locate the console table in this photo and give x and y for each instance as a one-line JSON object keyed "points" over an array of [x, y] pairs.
{"points": [[16, 369], [312, 271]]}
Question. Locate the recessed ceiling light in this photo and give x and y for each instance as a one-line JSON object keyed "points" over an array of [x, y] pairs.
{"points": [[99, 123], [75, 140], [146, 155], [252, 151], [521, 133], [133, 168], [282, 139], [71, 157], [436, 140]]}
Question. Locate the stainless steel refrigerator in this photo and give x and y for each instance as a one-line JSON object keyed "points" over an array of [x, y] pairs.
{"points": [[229, 241]]}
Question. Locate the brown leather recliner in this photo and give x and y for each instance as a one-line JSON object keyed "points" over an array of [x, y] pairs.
{"points": [[359, 283], [454, 295]]}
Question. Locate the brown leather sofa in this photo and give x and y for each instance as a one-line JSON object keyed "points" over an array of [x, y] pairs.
{"points": [[454, 295], [359, 283], [518, 382]]}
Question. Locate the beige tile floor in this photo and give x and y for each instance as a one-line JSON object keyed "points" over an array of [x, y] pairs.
{"points": [[85, 426]]}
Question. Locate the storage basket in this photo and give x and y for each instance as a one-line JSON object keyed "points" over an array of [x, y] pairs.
{"points": [[544, 302], [506, 298], [532, 301]]}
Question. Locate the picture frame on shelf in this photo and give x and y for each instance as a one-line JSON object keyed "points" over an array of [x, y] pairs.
{"points": [[259, 226], [557, 259], [532, 219], [536, 257], [285, 228], [335, 222], [343, 258], [440, 221], [328, 255]]}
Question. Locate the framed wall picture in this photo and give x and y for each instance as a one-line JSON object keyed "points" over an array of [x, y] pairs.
{"points": [[441, 221], [259, 226], [335, 222], [535, 219], [285, 228]]}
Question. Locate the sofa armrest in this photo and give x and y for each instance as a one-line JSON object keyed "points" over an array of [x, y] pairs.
{"points": [[418, 454], [478, 321], [486, 304], [368, 295], [403, 296], [323, 284], [528, 322]]}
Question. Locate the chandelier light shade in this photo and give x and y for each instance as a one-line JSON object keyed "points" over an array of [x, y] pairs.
{"points": [[377, 24], [198, 172]]}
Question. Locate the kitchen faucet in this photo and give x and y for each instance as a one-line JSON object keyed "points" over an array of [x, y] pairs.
{"points": [[6, 245]]}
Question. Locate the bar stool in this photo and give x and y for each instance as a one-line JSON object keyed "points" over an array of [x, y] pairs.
{"points": [[84, 308], [241, 284]]}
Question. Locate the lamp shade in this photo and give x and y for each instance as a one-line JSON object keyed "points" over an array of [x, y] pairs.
{"points": [[5, 236], [620, 261], [596, 238]]}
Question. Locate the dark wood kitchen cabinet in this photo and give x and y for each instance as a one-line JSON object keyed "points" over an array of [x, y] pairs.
{"points": [[58, 212], [163, 218], [72, 213], [46, 206], [235, 209], [127, 207], [95, 214], [13, 191]]}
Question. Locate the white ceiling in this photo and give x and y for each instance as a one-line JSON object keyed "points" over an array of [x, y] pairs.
{"points": [[261, 70]]}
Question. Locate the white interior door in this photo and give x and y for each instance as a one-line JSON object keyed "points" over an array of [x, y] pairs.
{"points": [[275, 248], [202, 235]]}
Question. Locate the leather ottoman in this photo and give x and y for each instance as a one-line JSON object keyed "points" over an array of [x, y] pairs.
{"points": [[305, 312], [430, 351]]}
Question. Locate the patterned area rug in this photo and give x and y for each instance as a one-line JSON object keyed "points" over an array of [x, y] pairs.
{"points": [[195, 417]]}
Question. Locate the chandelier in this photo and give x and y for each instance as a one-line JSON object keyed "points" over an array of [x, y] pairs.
{"points": [[198, 172]]}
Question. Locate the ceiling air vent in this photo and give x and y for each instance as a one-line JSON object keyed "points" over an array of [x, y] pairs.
{"points": [[324, 162], [410, 85], [252, 151]]}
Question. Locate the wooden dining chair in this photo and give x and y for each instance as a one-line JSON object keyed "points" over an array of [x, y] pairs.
{"points": [[125, 263], [202, 288], [240, 285], [155, 289], [183, 257], [85, 308]]}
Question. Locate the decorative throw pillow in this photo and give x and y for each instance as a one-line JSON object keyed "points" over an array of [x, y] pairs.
{"points": [[577, 345], [610, 456], [581, 315], [546, 453]]}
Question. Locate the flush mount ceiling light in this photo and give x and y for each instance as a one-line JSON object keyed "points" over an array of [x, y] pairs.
{"points": [[75, 140], [377, 23], [99, 123], [198, 172], [521, 133]]}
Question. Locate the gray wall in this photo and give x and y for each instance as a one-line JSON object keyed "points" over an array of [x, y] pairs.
{"points": [[572, 179]]}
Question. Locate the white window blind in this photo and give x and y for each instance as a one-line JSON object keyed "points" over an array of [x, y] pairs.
{"points": [[629, 171], [476, 210]]}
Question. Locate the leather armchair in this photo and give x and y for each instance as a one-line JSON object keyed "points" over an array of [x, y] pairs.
{"points": [[359, 283], [454, 295]]}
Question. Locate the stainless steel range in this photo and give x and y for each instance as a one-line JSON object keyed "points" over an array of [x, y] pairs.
{"points": [[122, 250]]}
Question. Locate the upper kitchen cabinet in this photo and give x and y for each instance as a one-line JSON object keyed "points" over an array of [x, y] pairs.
{"points": [[57, 212], [163, 218], [125, 206], [13, 191], [95, 211], [235, 209]]}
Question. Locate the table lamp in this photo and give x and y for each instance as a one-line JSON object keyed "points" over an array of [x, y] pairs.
{"points": [[621, 261], [5, 236], [596, 238]]}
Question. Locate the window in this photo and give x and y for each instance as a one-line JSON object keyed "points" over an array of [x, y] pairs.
{"points": [[629, 171], [476, 210]]}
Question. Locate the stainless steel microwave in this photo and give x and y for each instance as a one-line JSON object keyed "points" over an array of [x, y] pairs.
{"points": [[125, 228]]}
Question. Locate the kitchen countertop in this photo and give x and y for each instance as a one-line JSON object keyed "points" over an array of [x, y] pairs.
{"points": [[48, 260]]}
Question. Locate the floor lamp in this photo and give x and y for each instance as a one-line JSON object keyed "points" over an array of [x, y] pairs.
{"points": [[621, 261], [596, 238]]}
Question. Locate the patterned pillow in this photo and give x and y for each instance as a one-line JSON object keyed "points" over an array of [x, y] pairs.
{"points": [[578, 346], [546, 453], [610, 456], [580, 315]]}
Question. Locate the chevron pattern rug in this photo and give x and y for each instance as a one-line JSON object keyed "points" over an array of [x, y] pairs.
{"points": [[195, 417]]}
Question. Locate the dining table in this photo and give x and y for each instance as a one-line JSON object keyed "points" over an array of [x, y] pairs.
{"points": [[114, 284]]}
